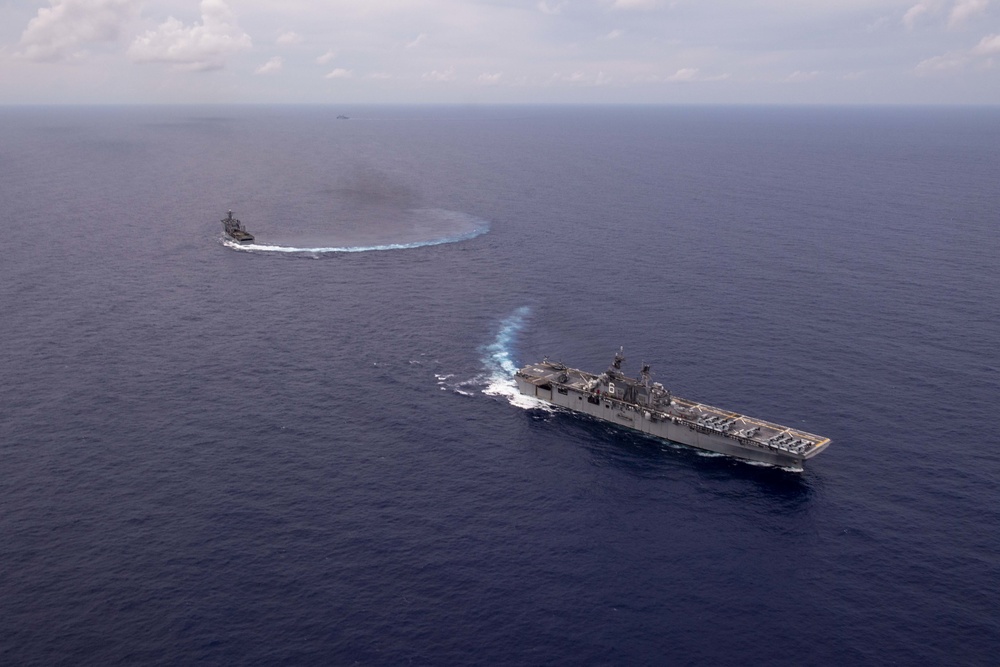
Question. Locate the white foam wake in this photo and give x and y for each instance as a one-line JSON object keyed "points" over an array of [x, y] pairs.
{"points": [[266, 247], [500, 365]]}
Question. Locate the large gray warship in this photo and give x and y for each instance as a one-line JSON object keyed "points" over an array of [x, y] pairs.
{"points": [[646, 406], [235, 230]]}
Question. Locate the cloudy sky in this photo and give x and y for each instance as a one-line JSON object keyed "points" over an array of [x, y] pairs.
{"points": [[487, 51]]}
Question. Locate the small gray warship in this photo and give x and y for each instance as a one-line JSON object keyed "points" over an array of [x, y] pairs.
{"points": [[234, 229], [648, 407]]}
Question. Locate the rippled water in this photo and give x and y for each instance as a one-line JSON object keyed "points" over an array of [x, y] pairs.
{"points": [[224, 456]]}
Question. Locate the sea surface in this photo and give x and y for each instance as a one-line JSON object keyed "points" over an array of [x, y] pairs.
{"points": [[309, 450]]}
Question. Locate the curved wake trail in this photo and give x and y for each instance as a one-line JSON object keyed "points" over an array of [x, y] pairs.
{"points": [[267, 247], [500, 366]]}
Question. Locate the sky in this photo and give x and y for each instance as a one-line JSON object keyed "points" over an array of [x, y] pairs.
{"points": [[909, 52]]}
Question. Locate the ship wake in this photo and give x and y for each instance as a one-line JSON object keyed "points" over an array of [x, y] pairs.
{"points": [[420, 229], [500, 366]]}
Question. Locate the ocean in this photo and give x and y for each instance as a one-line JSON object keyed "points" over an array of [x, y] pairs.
{"points": [[310, 451]]}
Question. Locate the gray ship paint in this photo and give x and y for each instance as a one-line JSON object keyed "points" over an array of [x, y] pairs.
{"points": [[648, 407], [235, 230]]}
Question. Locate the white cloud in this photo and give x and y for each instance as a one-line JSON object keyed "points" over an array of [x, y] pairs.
{"points": [[948, 61], [914, 13], [981, 53], [877, 24], [551, 8], [799, 76], [340, 73], [201, 46], [673, 44], [435, 75], [684, 74], [960, 12], [964, 9], [689, 74], [60, 31], [271, 66], [988, 46], [634, 4], [288, 38], [582, 78]]}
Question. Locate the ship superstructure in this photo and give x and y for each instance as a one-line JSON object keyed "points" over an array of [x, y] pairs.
{"points": [[648, 407], [234, 229]]}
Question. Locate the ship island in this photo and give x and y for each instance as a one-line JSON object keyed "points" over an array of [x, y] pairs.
{"points": [[648, 407], [235, 230]]}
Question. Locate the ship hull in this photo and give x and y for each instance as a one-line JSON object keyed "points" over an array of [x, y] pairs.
{"points": [[234, 229], [659, 425]]}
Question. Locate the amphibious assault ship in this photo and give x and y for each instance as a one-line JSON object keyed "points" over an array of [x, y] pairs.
{"points": [[234, 229], [648, 407]]}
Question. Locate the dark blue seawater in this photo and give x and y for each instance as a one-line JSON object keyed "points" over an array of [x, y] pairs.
{"points": [[295, 454]]}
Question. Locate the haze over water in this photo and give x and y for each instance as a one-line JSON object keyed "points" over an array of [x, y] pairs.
{"points": [[224, 456]]}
